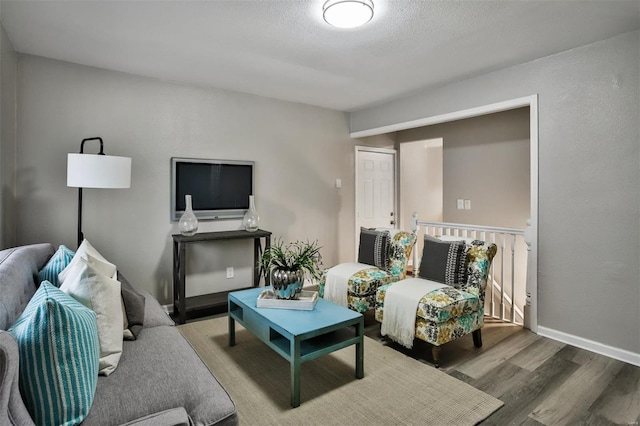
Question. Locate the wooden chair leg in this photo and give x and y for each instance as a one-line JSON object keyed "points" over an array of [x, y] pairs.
{"points": [[435, 352], [477, 338]]}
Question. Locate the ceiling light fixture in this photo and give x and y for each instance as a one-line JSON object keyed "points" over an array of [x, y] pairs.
{"points": [[347, 13]]}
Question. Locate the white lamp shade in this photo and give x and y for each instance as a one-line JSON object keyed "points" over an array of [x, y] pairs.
{"points": [[98, 171], [347, 13]]}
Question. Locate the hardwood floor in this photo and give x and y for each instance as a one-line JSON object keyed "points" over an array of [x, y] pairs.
{"points": [[541, 381]]}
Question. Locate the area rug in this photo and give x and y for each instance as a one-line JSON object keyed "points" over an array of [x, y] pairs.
{"points": [[396, 389]]}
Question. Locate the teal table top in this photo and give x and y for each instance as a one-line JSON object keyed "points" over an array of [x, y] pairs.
{"points": [[297, 322]]}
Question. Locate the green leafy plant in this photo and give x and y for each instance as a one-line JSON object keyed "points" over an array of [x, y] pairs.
{"points": [[293, 256]]}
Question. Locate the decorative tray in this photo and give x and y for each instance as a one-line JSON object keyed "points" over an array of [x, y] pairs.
{"points": [[306, 302]]}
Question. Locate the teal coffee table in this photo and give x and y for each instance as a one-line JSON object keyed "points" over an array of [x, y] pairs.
{"points": [[298, 336]]}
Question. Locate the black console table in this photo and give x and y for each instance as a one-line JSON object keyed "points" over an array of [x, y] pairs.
{"points": [[183, 304]]}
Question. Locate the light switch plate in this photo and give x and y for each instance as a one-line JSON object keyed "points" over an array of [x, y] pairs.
{"points": [[467, 204], [460, 203]]}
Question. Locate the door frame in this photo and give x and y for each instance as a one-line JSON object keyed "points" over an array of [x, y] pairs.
{"points": [[531, 318], [394, 153]]}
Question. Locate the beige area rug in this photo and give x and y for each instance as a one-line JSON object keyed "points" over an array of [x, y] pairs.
{"points": [[396, 389]]}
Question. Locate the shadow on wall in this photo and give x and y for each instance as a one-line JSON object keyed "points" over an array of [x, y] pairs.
{"points": [[164, 281], [8, 236], [31, 198], [304, 205]]}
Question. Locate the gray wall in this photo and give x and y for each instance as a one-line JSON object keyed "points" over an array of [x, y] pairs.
{"points": [[421, 187], [485, 160], [8, 76], [589, 171], [299, 152]]}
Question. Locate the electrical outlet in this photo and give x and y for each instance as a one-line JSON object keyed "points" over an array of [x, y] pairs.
{"points": [[467, 204], [230, 272]]}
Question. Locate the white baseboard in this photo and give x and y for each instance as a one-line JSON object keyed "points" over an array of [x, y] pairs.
{"points": [[590, 345]]}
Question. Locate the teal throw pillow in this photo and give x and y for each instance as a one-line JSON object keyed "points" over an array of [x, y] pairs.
{"points": [[58, 345], [60, 259]]}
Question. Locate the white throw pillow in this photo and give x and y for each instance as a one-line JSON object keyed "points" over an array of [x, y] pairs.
{"points": [[87, 251], [84, 251], [100, 293]]}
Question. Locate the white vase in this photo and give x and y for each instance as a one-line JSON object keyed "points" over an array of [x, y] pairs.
{"points": [[188, 222], [251, 220]]}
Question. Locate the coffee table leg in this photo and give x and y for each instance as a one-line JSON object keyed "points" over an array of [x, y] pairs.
{"points": [[232, 331], [360, 350], [295, 373]]}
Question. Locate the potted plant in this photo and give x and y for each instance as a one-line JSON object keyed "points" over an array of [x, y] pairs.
{"points": [[288, 264]]}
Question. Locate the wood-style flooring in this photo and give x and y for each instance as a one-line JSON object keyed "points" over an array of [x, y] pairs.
{"points": [[541, 381]]}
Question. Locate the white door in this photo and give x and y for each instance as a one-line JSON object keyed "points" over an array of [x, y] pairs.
{"points": [[375, 189]]}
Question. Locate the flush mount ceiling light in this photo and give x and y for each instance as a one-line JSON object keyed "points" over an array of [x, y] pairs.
{"points": [[347, 13]]}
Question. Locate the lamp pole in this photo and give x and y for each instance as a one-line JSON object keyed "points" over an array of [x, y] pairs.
{"points": [[80, 235]]}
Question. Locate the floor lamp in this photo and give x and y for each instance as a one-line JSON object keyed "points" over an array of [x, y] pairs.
{"points": [[96, 171]]}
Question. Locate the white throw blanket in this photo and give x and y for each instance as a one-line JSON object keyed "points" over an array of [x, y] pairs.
{"points": [[337, 283], [400, 308]]}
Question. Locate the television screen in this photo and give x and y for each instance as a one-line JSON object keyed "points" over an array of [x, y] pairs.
{"points": [[219, 188]]}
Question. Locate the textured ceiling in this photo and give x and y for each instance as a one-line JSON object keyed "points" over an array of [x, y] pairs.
{"points": [[283, 49]]}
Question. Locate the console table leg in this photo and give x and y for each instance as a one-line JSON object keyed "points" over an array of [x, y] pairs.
{"points": [[267, 244], [181, 285], [295, 373], [176, 265], [360, 350]]}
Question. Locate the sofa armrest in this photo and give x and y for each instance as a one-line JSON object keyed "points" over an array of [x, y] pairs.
{"points": [[12, 408]]}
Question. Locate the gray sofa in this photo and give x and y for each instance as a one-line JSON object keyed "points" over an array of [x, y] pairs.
{"points": [[160, 379]]}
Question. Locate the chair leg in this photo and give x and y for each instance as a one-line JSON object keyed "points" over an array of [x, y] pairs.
{"points": [[435, 352], [477, 338]]}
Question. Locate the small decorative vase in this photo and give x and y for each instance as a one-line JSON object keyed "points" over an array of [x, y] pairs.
{"points": [[287, 284], [188, 222], [251, 220]]}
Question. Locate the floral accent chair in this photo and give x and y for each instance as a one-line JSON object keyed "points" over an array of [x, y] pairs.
{"points": [[391, 266], [457, 308]]}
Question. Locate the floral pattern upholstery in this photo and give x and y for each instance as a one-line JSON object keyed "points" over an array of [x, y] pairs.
{"points": [[444, 332], [400, 252], [362, 286], [448, 313], [447, 303]]}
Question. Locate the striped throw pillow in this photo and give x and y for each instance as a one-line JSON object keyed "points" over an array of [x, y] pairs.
{"points": [[58, 344], [374, 248], [444, 261], [60, 259]]}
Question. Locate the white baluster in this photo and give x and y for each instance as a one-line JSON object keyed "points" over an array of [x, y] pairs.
{"points": [[513, 278], [493, 281], [502, 238], [415, 228]]}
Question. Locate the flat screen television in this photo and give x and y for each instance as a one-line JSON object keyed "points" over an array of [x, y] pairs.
{"points": [[219, 189]]}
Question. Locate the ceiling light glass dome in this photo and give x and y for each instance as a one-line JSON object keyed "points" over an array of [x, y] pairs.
{"points": [[347, 13]]}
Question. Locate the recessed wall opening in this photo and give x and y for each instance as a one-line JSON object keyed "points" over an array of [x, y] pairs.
{"points": [[492, 167], [473, 171]]}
